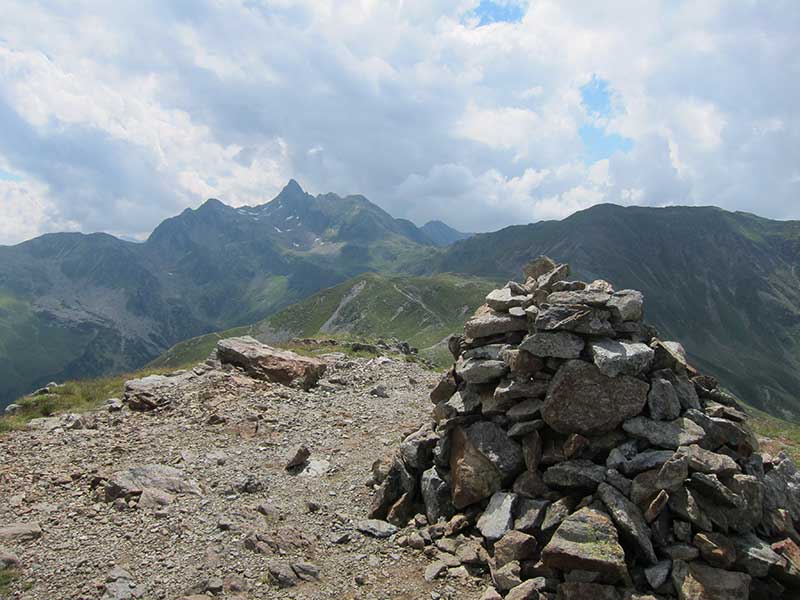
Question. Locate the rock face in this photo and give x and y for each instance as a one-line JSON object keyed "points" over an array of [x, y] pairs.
{"points": [[581, 399], [264, 362], [590, 459]]}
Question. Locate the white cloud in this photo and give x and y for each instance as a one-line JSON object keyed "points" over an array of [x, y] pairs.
{"points": [[156, 106]]}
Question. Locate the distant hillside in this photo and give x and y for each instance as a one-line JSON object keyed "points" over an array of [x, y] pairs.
{"points": [[441, 234], [726, 284], [74, 305], [419, 310]]}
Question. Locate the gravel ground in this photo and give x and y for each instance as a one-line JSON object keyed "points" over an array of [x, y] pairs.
{"points": [[233, 435]]}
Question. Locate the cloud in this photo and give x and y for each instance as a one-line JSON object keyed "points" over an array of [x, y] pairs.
{"points": [[482, 114]]}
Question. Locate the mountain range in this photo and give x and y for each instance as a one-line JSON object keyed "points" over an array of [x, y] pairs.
{"points": [[74, 305]]}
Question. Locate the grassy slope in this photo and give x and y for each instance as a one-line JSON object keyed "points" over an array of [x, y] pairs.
{"points": [[419, 310]]}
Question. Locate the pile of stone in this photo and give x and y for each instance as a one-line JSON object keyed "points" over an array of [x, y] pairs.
{"points": [[573, 453]]}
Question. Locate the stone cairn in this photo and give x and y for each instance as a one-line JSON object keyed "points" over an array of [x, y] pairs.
{"points": [[573, 454]]}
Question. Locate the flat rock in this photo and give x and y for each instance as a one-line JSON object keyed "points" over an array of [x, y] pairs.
{"points": [[581, 399], [376, 528], [475, 370], [20, 532], [132, 482], [716, 549], [665, 434], [560, 344], [614, 357], [494, 323], [576, 318], [271, 364], [629, 520], [514, 545], [577, 474], [706, 461], [696, 581], [504, 299], [498, 518]]}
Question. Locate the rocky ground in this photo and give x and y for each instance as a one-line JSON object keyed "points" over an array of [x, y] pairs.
{"points": [[233, 522]]}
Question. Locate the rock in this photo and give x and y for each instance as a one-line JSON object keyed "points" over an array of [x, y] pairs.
{"points": [[756, 556], [560, 344], [529, 514], [583, 400], [557, 512], [491, 594], [445, 389], [575, 475], [656, 506], [711, 487], [621, 358], [498, 517], [576, 318], [522, 430], [434, 570], [527, 590], [8, 560], [398, 482], [662, 400], [474, 370], [12, 409], [716, 549], [684, 388], [503, 299], [471, 552], [271, 364], [705, 461], [522, 364], [546, 280], [20, 532], [282, 575], [788, 575], [298, 457], [154, 499], [684, 504], [673, 473], [147, 393], [644, 461], [665, 434], [538, 267], [507, 576], [626, 305], [586, 540], [379, 391], [436, 496], [514, 545], [132, 482], [306, 571], [527, 410], [629, 520], [493, 323], [697, 581], [376, 528], [680, 552], [531, 485], [658, 574], [482, 460], [580, 590], [589, 297], [670, 355], [417, 448]]}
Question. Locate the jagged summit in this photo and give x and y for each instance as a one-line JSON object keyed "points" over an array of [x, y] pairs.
{"points": [[573, 452]]}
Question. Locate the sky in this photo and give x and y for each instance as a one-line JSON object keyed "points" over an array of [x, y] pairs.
{"points": [[480, 113]]}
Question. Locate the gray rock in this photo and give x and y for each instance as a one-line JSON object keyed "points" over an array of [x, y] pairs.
{"points": [[560, 344], [132, 482], [12, 409], [504, 299], [515, 389], [498, 518], [658, 574], [488, 352], [8, 560], [683, 386], [538, 267], [662, 400], [514, 545], [666, 434], [526, 410], [474, 370], [626, 305], [518, 430], [417, 448], [711, 487], [376, 528], [434, 570], [680, 551], [557, 512], [706, 461], [716, 549], [532, 450], [298, 457], [271, 364], [507, 576], [583, 400], [644, 461], [586, 540], [436, 496], [697, 581], [482, 459], [756, 556], [282, 575], [594, 298], [20, 532], [527, 590], [577, 318], [629, 520], [575, 475], [546, 280], [306, 571], [683, 503], [493, 323], [530, 514], [445, 388], [673, 473], [614, 357], [398, 482]]}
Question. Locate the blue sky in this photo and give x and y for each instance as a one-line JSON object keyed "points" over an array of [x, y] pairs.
{"points": [[479, 113]]}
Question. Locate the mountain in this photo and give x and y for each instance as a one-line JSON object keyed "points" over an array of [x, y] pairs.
{"points": [[74, 305], [726, 284], [442, 234], [419, 310]]}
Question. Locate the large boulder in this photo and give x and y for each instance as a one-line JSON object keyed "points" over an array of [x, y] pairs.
{"points": [[586, 540], [581, 399], [265, 362], [482, 460]]}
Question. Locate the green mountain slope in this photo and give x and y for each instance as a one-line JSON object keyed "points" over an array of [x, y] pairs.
{"points": [[419, 310], [74, 305], [724, 284]]}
